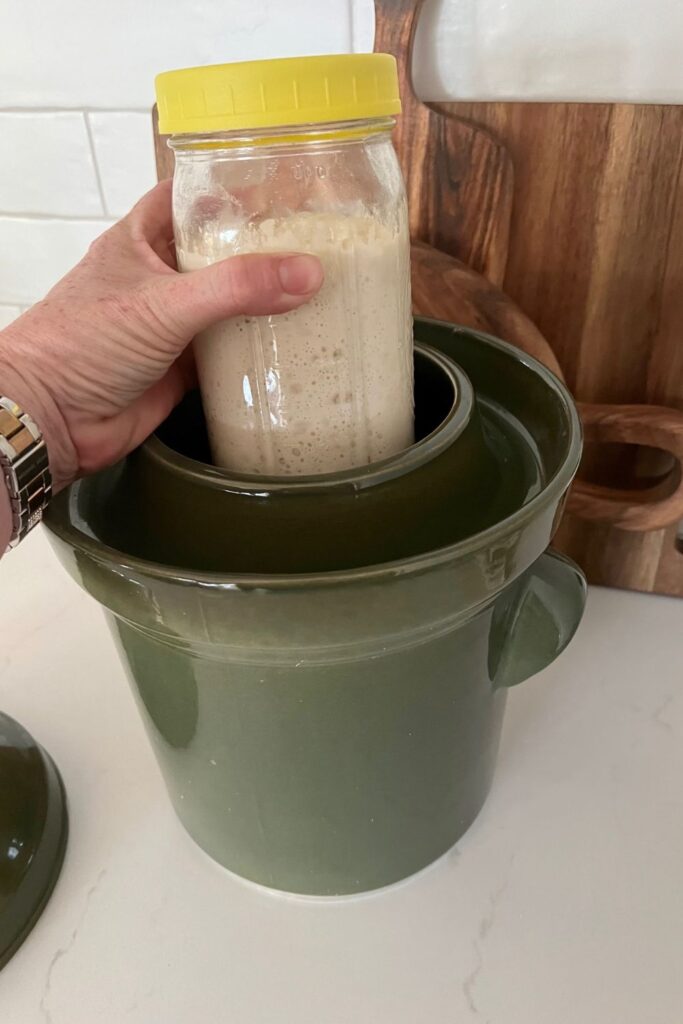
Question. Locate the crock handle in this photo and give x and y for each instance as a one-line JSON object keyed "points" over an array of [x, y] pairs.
{"points": [[538, 620]]}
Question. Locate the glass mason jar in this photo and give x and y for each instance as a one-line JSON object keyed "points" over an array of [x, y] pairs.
{"points": [[296, 155]]}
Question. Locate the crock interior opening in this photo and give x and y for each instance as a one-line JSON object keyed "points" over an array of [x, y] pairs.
{"points": [[522, 426], [184, 431]]}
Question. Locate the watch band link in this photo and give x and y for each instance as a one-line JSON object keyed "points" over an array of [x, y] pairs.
{"points": [[26, 468]]}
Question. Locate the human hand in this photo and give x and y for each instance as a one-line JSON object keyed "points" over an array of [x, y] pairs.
{"points": [[102, 360]]}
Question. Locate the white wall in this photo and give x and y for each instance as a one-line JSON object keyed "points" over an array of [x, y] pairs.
{"points": [[76, 89], [616, 50], [76, 86]]}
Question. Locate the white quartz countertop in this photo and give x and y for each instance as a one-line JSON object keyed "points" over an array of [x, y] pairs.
{"points": [[563, 904]]}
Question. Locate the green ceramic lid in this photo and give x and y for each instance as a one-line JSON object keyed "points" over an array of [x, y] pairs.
{"points": [[33, 831]]}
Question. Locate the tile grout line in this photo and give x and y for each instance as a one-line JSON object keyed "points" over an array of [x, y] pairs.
{"points": [[70, 218], [96, 166], [76, 110]]}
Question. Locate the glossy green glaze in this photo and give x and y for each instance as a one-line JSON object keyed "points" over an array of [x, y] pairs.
{"points": [[464, 475], [33, 832], [332, 732]]}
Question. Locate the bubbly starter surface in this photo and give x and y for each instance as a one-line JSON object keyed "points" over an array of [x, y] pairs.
{"points": [[328, 386]]}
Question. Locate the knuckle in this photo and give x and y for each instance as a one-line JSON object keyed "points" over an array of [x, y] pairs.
{"points": [[95, 247], [101, 244], [248, 278], [234, 283]]}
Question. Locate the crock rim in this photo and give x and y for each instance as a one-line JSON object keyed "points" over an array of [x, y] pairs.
{"points": [[418, 454], [553, 490]]}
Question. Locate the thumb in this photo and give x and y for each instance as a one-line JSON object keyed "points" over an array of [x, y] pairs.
{"points": [[251, 285]]}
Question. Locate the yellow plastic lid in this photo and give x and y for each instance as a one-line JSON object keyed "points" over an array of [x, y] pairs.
{"points": [[275, 93]]}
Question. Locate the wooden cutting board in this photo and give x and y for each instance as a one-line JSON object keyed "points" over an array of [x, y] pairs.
{"points": [[577, 211], [602, 277], [459, 177]]}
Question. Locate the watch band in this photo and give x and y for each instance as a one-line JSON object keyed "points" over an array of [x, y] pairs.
{"points": [[26, 468]]}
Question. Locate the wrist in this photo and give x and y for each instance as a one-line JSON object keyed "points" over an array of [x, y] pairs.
{"points": [[25, 387]]}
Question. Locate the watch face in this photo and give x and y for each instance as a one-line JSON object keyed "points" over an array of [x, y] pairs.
{"points": [[26, 468]]}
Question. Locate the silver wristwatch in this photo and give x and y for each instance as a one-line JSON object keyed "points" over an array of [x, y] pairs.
{"points": [[25, 465]]}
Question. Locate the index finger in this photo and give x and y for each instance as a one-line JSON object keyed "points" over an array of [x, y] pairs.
{"points": [[151, 218]]}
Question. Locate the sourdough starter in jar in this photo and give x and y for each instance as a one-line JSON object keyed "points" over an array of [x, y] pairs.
{"points": [[328, 386]]}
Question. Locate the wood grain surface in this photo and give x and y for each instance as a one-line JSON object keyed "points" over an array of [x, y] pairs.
{"points": [[595, 260], [458, 177], [162, 154], [446, 289], [595, 252]]}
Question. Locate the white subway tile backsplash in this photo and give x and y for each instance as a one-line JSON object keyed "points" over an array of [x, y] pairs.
{"points": [[124, 150], [469, 49], [8, 314], [55, 195], [34, 254], [46, 165], [76, 53]]}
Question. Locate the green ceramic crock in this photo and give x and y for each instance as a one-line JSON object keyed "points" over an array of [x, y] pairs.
{"points": [[334, 732]]}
